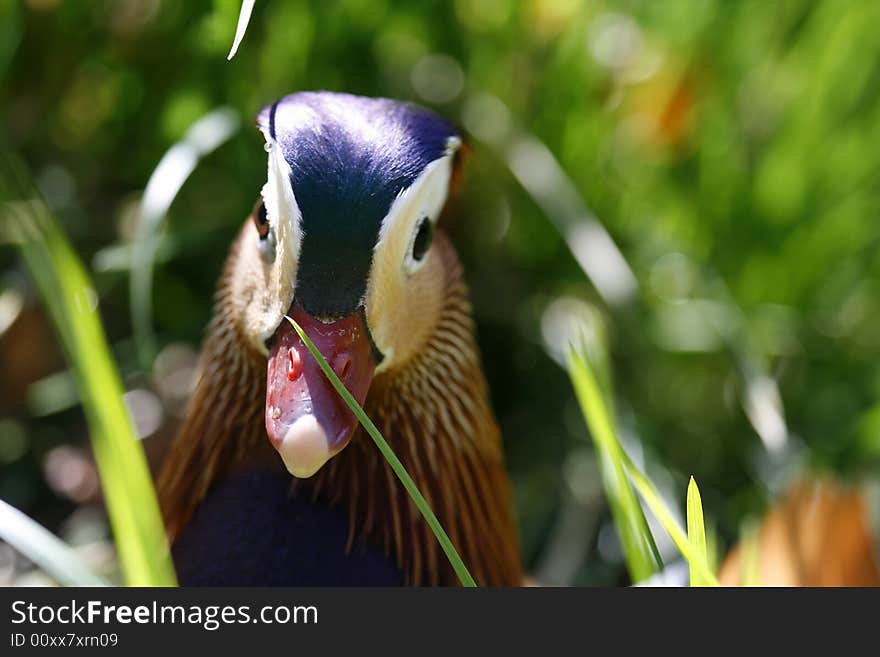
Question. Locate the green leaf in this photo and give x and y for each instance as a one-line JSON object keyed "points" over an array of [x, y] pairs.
{"points": [[648, 492], [696, 530], [45, 549], [72, 304], [642, 557], [620, 475], [457, 564]]}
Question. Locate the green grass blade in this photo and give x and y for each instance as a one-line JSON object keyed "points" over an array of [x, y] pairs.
{"points": [[587, 377], [457, 564], [45, 549], [71, 303], [642, 557], [696, 561], [696, 530]]}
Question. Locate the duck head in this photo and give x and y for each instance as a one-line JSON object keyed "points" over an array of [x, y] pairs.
{"points": [[341, 242]]}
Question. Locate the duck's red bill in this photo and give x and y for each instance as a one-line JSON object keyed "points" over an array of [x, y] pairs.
{"points": [[307, 421]]}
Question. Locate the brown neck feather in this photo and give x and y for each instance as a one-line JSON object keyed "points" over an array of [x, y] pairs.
{"points": [[434, 412]]}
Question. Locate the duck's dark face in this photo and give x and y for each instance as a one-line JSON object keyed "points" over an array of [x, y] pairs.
{"points": [[341, 243]]}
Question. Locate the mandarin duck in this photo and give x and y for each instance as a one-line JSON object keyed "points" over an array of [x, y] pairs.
{"points": [[347, 239]]}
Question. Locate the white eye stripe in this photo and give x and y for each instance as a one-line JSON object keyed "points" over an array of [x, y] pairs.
{"points": [[403, 294], [424, 198], [270, 288], [282, 209]]}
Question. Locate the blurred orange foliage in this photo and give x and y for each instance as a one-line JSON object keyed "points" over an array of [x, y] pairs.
{"points": [[818, 535]]}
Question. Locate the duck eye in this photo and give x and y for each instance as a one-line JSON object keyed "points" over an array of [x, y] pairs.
{"points": [[261, 220], [424, 235]]}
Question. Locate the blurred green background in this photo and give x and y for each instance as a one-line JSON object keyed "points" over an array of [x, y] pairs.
{"points": [[730, 150]]}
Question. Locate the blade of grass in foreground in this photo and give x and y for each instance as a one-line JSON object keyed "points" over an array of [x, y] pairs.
{"points": [[595, 407], [652, 498], [45, 549], [71, 302], [457, 564], [696, 530], [642, 557]]}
